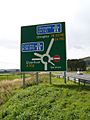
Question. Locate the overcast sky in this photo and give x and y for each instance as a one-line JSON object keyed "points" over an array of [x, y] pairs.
{"points": [[17, 13]]}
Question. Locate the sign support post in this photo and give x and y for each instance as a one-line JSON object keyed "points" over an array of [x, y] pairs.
{"points": [[65, 77], [23, 80], [50, 78], [37, 78]]}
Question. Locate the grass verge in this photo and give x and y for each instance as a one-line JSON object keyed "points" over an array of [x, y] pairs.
{"points": [[48, 102]]}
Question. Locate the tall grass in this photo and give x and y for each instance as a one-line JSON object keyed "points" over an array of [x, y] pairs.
{"points": [[8, 87]]}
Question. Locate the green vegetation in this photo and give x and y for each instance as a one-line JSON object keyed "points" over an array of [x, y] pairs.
{"points": [[48, 102], [8, 87], [76, 64], [87, 72], [12, 76], [9, 76]]}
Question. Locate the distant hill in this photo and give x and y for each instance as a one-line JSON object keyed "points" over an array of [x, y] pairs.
{"points": [[9, 70], [87, 61]]}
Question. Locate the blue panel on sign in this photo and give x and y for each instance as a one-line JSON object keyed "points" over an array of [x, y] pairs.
{"points": [[48, 29], [32, 46]]}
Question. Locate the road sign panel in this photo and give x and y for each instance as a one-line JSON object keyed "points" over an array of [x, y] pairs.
{"points": [[43, 47]]}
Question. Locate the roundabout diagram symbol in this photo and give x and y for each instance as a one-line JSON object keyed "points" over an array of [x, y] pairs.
{"points": [[45, 58]]}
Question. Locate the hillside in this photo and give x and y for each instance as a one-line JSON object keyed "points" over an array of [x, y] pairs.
{"points": [[48, 102]]}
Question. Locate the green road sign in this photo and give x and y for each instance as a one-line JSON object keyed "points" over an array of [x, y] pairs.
{"points": [[43, 47]]}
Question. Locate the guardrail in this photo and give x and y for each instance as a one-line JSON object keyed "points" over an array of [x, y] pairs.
{"points": [[76, 78], [79, 79]]}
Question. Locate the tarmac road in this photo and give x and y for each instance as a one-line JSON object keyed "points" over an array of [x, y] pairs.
{"points": [[85, 78]]}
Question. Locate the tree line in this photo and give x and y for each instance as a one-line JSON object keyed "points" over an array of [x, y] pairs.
{"points": [[76, 64]]}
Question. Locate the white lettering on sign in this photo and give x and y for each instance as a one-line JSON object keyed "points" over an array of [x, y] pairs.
{"points": [[48, 29], [32, 47]]}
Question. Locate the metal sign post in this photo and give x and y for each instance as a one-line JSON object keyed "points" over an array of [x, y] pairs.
{"points": [[23, 80], [50, 78], [37, 78], [65, 77]]}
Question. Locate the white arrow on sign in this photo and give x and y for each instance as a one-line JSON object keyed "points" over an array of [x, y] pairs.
{"points": [[41, 57]]}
